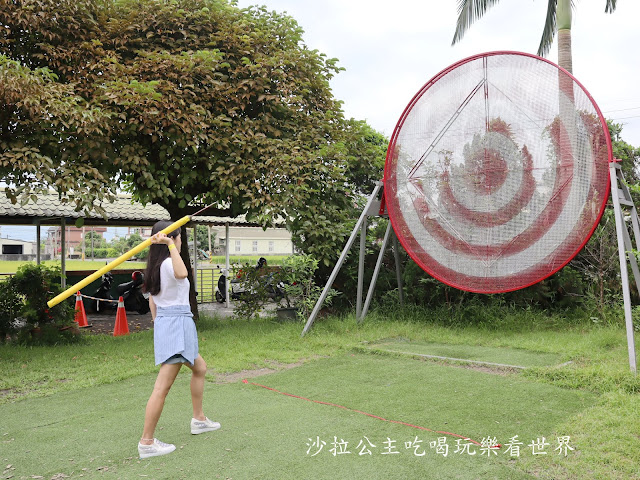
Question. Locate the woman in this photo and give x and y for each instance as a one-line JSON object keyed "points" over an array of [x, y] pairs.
{"points": [[175, 337]]}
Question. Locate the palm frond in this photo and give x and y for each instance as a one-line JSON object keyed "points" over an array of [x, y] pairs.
{"points": [[549, 31], [468, 12], [611, 6]]}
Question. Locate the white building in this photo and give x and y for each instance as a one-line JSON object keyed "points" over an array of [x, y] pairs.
{"points": [[254, 241], [243, 240], [10, 247]]}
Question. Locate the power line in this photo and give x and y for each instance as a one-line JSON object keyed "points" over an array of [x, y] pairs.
{"points": [[624, 118], [622, 109]]}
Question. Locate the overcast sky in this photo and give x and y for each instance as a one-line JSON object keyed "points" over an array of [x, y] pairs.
{"points": [[390, 49]]}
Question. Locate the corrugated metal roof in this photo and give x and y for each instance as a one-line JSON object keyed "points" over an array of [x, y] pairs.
{"points": [[122, 212]]}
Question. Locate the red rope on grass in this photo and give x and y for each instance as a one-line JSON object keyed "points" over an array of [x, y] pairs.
{"points": [[364, 413]]}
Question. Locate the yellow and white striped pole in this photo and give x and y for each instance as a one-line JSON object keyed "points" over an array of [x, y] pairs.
{"points": [[122, 258]]}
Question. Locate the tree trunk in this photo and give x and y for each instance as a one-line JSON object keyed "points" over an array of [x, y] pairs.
{"points": [[564, 50], [186, 258], [563, 22], [177, 214]]}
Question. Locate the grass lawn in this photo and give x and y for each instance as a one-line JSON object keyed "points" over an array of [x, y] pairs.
{"points": [[77, 410], [10, 266]]}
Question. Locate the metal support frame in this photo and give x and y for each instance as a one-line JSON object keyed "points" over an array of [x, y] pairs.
{"points": [[376, 272], [63, 252], [38, 241], [227, 282], [372, 208], [621, 196], [196, 274]]}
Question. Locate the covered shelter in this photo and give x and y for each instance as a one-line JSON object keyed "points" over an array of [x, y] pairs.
{"points": [[48, 210]]}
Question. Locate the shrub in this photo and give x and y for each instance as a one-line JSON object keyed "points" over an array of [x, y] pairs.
{"points": [[301, 292], [30, 289], [259, 288], [10, 304]]}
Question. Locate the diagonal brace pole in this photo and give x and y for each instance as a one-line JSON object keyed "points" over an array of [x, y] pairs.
{"points": [[343, 257], [372, 285], [624, 250]]}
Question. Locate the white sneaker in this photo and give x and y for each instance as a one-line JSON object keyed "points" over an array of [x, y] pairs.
{"points": [[155, 449], [202, 426]]}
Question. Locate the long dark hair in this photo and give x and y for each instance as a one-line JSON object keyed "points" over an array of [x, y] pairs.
{"points": [[158, 252]]}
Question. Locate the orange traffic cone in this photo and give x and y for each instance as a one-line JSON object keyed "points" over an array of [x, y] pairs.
{"points": [[81, 316], [122, 327]]}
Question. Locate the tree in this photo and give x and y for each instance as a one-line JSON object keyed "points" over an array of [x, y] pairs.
{"points": [[184, 102], [92, 241], [202, 237], [598, 262], [38, 115], [558, 19]]}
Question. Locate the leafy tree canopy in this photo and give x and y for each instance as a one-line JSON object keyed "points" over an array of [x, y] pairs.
{"points": [[183, 102]]}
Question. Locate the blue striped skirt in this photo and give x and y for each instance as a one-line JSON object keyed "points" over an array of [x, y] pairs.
{"points": [[174, 333]]}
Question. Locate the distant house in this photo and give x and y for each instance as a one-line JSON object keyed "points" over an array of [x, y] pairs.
{"points": [[254, 241], [144, 232], [73, 239], [11, 249], [243, 240]]}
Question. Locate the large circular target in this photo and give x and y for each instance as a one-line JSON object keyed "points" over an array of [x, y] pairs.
{"points": [[497, 172]]}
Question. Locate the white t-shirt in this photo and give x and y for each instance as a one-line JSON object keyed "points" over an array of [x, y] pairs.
{"points": [[173, 291]]}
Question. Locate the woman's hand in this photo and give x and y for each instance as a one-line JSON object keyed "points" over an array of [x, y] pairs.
{"points": [[161, 238]]}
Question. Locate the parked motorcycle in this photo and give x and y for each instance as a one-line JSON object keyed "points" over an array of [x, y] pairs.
{"points": [[131, 293], [239, 289], [236, 287], [103, 291]]}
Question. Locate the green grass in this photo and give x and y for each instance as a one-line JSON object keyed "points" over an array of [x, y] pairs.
{"points": [[101, 386], [10, 266], [267, 435]]}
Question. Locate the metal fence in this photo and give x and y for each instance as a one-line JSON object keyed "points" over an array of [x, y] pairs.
{"points": [[206, 282], [5, 276]]}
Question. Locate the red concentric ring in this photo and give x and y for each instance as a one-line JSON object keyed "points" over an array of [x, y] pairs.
{"points": [[497, 172]]}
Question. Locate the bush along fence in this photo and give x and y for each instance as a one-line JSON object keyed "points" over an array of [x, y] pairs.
{"points": [[24, 314]]}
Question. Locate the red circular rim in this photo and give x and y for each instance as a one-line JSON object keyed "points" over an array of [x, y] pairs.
{"points": [[527, 277]]}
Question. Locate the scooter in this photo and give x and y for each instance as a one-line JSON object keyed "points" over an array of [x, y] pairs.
{"points": [[131, 292], [238, 288], [103, 291]]}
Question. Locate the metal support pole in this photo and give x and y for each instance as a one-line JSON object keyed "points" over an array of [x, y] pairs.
{"points": [[372, 285], [195, 262], [363, 249], [38, 242], [63, 252], [623, 243], [342, 258], [396, 256], [226, 265]]}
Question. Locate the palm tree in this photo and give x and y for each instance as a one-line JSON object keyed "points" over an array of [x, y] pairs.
{"points": [[558, 18]]}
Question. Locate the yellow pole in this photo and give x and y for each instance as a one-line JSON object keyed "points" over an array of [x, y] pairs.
{"points": [[125, 256]]}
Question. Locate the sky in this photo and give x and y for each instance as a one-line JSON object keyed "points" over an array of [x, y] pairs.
{"points": [[390, 49]]}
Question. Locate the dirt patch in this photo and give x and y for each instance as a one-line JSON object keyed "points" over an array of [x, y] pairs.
{"points": [[103, 324], [222, 378], [503, 371]]}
